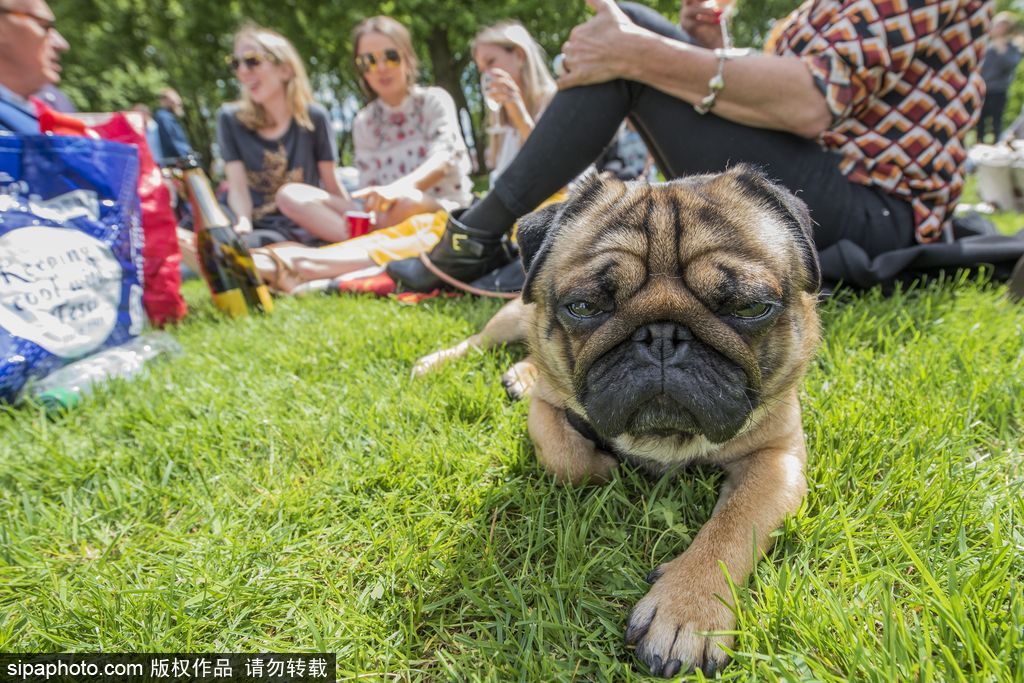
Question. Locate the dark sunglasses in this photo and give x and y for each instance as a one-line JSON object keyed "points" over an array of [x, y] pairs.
{"points": [[44, 23], [371, 61], [250, 59]]}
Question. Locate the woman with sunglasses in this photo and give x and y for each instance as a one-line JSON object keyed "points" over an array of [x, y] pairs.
{"points": [[277, 144], [408, 143]]}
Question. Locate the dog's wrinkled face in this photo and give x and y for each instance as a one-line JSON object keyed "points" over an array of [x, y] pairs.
{"points": [[674, 311]]}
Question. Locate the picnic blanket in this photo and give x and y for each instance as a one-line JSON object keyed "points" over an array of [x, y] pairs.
{"points": [[975, 244]]}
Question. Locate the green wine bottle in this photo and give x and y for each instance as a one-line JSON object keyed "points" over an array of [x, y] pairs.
{"points": [[224, 260]]}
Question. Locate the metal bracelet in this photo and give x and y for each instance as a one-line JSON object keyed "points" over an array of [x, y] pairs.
{"points": [[715, 86], [724, 54]]}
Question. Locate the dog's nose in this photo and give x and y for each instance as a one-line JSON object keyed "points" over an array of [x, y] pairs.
{"points": [[662, 339]]}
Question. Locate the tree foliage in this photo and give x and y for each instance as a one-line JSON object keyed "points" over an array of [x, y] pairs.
{"points": [[125, 51]]}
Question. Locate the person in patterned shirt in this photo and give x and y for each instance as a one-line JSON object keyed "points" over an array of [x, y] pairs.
{"points": [[858, 106]]}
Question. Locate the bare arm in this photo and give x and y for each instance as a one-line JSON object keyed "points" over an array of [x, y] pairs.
{"points": [[429, 173], [329, 180], [504, 90], [239, 198], [763, 91]]}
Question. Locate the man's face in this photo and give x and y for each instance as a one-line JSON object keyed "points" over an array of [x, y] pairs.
{"points": [[29, 47], [173, 102]]}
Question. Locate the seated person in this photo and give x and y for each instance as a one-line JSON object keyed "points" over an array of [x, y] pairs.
{"points": [[515, 78], [814, 111], [627, 158], [408, 143], [29, 60], [174, 142], [273, 138]]}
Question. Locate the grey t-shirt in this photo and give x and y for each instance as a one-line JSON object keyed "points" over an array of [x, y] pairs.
{"points": [[269, 164]]}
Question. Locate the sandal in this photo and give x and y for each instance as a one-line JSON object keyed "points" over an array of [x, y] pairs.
{"points": [[285, 277]]}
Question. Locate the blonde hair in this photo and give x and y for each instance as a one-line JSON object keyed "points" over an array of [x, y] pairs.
{"points": [[537, 84], [1006, 18], [298, 92], [399, 35]]}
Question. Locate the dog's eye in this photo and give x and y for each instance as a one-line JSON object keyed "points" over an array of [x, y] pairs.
{"points": [[753, 311], [583, 309]]}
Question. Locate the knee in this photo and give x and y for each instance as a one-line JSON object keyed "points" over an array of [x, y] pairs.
{"points": [[635, 11], [293, 197], [287, 198], [644, 16]]}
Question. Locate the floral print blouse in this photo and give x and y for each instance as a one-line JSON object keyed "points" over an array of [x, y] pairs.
{"points": [[391, 142]]}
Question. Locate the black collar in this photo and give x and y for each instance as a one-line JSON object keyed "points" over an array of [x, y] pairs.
{"points": [[580, 424]]}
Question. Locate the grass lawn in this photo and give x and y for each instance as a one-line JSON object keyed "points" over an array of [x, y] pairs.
{"points": [[285, 485]]}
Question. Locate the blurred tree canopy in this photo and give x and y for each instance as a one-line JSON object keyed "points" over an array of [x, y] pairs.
{"points": [[124, 51]]}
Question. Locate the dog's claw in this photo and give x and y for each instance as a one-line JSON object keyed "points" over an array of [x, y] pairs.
{"points": [[654, 575], [711, 665], [638, 629], [672, 667]]}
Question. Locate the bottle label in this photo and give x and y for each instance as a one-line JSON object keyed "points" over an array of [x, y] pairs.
{"points": [[231, 302], [59, 288]]}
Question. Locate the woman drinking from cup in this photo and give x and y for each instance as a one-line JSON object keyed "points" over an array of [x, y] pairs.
{"points": [[516, 87]]}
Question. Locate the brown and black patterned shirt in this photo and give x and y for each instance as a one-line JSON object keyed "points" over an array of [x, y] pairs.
{"points": [[902, 81]]}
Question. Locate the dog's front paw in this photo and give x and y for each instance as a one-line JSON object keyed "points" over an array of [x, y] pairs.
{"points": [[519, 379], [678, 625]]}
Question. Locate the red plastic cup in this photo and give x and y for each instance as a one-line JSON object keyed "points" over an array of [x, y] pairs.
{"points": [[358, 223]]}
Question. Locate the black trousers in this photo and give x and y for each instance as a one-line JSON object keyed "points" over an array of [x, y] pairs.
{"points": [[580, 122], [992, 109]]}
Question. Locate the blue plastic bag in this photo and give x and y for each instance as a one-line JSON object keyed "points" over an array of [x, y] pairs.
{"points": [[70, 252]]}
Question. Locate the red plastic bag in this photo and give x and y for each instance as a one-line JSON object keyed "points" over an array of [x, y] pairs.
{"points": [[162, 259]]}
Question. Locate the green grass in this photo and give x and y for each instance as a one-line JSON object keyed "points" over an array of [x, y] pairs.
{"points": [[285, 485]]}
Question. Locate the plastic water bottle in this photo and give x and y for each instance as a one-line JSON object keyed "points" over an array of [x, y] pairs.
{"points": [[65, 388]]}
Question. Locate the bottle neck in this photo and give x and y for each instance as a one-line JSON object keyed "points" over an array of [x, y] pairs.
{"points": [[204, 204]]}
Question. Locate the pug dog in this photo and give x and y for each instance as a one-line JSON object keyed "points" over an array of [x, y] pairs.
{"points": [[671, 324]]}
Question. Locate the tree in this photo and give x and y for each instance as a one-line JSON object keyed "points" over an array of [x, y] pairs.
{"points": [[124, 51]]}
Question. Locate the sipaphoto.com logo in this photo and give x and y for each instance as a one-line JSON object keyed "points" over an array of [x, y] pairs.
{"points": [[256, 667], [65, 668]]}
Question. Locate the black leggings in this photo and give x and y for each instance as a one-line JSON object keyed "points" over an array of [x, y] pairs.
{"points": [[580, 122], [992, 109]]}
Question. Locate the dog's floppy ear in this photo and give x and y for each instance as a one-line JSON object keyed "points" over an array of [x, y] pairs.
{"points": [[535, 235], [538, 230], [790, 209]]}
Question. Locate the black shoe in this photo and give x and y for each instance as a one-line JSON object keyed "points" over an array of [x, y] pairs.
{"points": [[506, 279], [464, 253]]}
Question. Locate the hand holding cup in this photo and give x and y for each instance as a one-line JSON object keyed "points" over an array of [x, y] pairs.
{"points": [[702, 20]]}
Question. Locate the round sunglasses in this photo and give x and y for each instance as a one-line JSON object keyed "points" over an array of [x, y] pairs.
{"points": [[250, 59], [371, 61]]}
